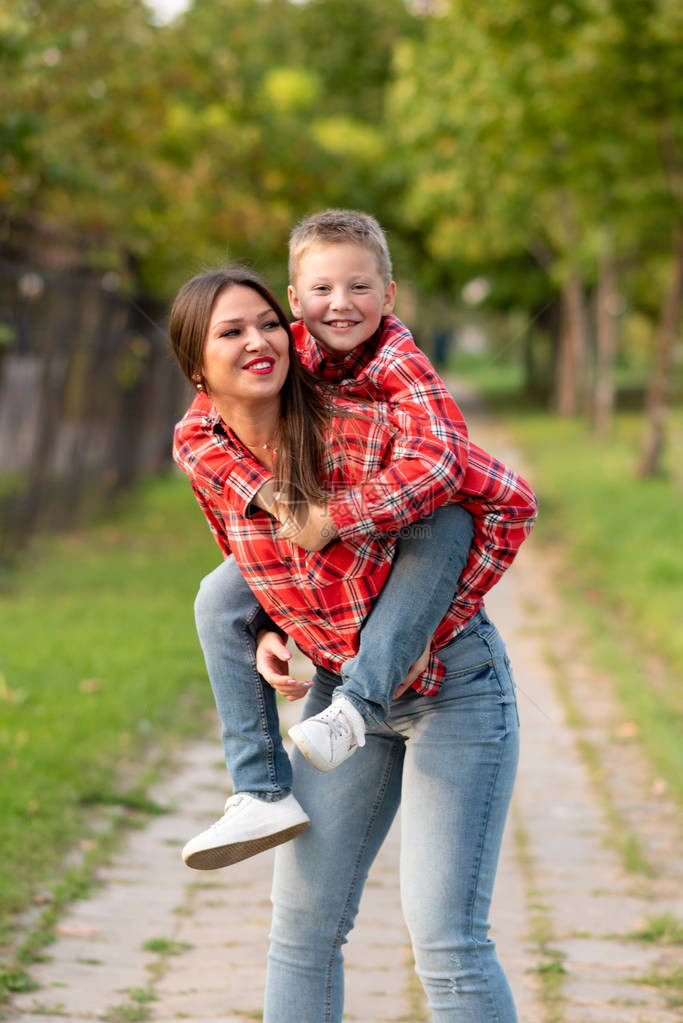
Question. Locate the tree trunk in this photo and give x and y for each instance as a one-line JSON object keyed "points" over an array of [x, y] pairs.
{"points": [[606, 335], [656, 402], [572, 348]]}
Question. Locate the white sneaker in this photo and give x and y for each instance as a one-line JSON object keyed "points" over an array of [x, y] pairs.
{"points": [[248, 826], [327, 739]]}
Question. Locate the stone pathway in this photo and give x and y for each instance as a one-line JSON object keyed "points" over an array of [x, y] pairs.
{"points": [[158, 941]]}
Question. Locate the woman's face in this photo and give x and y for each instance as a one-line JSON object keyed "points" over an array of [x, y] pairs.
{"points": [[246, 352]]}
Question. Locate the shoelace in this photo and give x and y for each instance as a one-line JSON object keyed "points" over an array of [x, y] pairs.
{"points": [[339, 726]]}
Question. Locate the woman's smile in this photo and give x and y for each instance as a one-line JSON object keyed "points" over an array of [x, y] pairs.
{"points": [[260, 366]]}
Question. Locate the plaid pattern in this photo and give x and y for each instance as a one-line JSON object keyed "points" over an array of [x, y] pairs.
{"points": [[428, 461], [391, 368], [320, 599]]}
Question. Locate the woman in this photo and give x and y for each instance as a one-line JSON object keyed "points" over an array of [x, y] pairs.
{"points": [[450, 759]]}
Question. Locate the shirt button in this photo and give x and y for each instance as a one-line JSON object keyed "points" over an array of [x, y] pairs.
{"points": [[287, 559]]}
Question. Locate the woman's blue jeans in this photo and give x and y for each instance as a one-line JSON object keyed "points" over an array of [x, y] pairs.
{"points": [[421, 584], [450, 761]]}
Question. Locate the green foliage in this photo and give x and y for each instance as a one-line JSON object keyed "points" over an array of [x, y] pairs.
{"points": [[552, 132], [509, 150], [13, 979], [177, 151], [79, 78], [473, 132]]}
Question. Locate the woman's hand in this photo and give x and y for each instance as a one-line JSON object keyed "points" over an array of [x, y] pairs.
{"points": [[417, 669], [272, 656]]}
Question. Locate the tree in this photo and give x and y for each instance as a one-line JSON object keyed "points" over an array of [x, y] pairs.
{"points": [[508, 149], [168, 151], [79, 100]]}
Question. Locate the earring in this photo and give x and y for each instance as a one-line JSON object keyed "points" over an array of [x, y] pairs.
{"points": [[199, 387]]}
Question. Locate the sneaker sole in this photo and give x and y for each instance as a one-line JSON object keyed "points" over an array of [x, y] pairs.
{"points": [[225, 855]]}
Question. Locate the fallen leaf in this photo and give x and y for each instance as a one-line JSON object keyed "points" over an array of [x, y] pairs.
{"points": [[76, 930], [627, 730], [9, 695], [90, 685]]}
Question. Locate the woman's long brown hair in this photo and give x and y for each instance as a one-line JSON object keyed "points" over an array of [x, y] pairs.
{"points": [[306, 410]]}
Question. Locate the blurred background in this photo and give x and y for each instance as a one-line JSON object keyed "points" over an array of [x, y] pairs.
{"points": [[526, 161]]}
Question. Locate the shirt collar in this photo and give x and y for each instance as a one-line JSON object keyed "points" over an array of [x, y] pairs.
{"points": [[334, 368], [213, 421]]}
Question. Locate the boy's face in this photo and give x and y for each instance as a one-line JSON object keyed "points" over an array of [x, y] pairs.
{"points": [[340, 295]]}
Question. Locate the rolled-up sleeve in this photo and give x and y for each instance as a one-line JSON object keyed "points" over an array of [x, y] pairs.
{"points": [[425, 472]]}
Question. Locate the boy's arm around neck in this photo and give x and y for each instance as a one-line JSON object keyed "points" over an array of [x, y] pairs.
{"points": [[502, 504], [431, 448], [420, 473]]}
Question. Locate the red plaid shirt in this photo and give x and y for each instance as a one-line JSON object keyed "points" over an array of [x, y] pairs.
{"points": [[390, 368], [320, 599]]}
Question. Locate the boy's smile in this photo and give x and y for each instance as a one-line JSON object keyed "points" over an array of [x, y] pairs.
{"points": [[340, 295]]}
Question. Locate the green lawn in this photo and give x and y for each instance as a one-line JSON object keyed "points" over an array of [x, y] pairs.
{"points": [[622, 544], [100, 674]]}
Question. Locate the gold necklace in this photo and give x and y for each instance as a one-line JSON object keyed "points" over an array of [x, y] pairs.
{"points": [[264, 447]]}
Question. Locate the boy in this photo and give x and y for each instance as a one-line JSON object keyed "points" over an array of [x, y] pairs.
{"points": [[342, 290]]}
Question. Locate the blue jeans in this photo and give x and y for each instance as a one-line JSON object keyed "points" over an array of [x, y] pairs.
{"points": [[413, 601], [450, 760]]}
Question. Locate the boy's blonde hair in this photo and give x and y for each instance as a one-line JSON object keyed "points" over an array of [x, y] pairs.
{"points": [[338, 227]]}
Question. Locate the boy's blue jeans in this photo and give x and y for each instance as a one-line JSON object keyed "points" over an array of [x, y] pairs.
{"points": [[413, 601]]}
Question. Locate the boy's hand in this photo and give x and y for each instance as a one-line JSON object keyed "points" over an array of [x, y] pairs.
{"points": [[272, 656], [265, 497], [420, 665], [309, 526]]}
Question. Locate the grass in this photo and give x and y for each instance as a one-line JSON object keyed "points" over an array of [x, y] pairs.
{"points": [[134, 1011], [166, 946], [669, 981], [100, 674], [16, 979], [622, 541], [664, 929], [550, 969], [619, 834]]}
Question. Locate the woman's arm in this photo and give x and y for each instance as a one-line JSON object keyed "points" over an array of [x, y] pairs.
{"points": [[310, 526]]}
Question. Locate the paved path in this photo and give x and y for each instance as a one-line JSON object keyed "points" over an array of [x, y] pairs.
{"points": [[564, 905]]}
